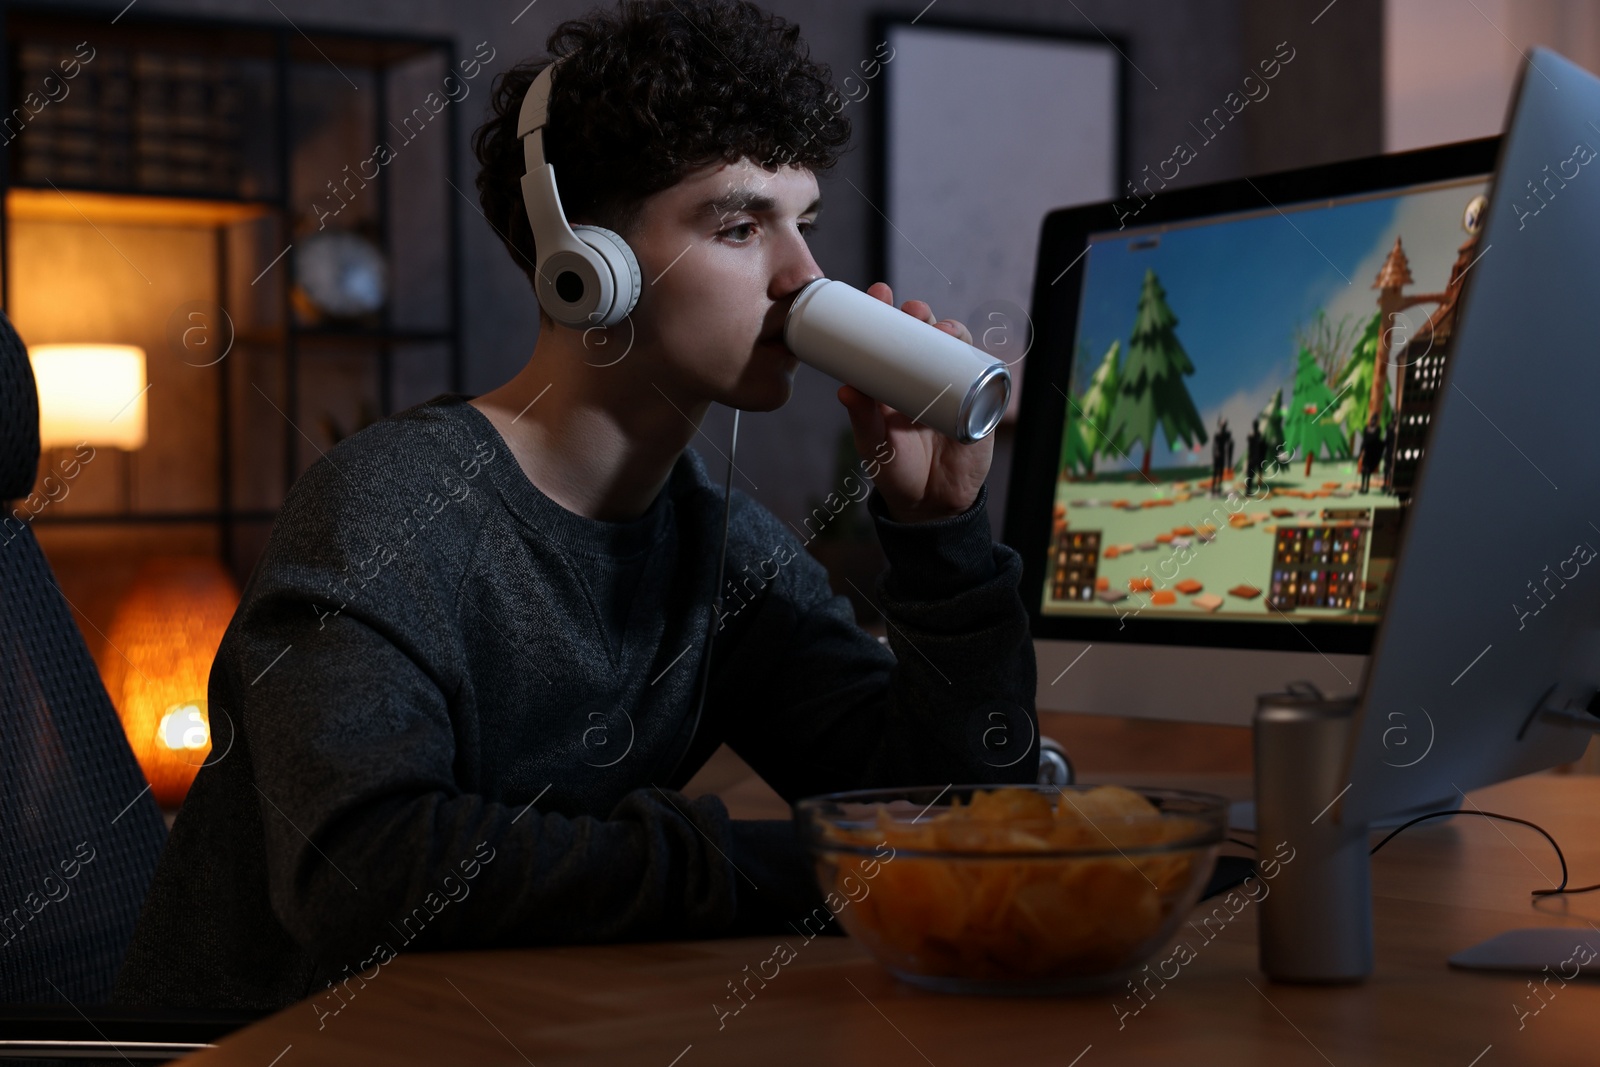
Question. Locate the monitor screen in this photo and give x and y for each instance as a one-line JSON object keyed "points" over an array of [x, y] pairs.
{"points": [[1244, 398]]}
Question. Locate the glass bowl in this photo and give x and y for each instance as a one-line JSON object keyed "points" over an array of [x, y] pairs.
{"points": [[1026, 889]]}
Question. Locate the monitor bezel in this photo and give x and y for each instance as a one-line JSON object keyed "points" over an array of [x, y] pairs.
{"points": [[1057, 285]]}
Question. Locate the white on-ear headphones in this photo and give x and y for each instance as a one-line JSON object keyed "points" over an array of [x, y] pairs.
{"points": [[587, 275]]}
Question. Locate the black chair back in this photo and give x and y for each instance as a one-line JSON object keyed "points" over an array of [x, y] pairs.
{"points": [[79, 831]]}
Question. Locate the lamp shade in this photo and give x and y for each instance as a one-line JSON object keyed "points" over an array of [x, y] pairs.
{"points": [[90, 393], [161, 642]]}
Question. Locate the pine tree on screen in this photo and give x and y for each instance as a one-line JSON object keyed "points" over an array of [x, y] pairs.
{"points": [[1074, 458], [1311, 425], [1353, 385], [1088, 417], [1152, 392]]}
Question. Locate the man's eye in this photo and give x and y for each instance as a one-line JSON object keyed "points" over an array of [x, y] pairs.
{"points": [[744, 226]]}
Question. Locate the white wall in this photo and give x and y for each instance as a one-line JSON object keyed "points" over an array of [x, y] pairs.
{"points": [[1449, 65]]}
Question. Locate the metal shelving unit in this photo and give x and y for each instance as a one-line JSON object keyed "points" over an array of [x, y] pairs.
{"points": [[264, 191]]}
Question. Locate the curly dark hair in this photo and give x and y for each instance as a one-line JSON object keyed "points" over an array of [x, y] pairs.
{"points": [[647, 93]]}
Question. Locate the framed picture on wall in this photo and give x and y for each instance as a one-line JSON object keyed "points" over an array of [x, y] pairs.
{"points": [[983, 128]]}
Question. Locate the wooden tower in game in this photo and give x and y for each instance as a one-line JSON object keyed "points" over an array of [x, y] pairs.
{"points": [[1426, 353]]}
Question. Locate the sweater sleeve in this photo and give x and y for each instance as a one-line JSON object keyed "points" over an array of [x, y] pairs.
{"points": [[815, 704], [369, 838]]}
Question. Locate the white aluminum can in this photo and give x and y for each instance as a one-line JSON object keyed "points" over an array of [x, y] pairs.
{"points": [[920, 371]]}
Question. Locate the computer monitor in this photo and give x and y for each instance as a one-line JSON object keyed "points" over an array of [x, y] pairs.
{"points": [[1157, 586], [1488, 655]]}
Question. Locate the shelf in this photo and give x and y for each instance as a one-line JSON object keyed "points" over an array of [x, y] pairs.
{"points": [[277, 118], [36, 204]]}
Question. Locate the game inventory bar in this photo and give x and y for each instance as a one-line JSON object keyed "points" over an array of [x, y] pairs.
{"points": [[1077, 560], [1318, 566]]}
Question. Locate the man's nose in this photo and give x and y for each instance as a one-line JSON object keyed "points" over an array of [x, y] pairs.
{"points": [[795, 268]]}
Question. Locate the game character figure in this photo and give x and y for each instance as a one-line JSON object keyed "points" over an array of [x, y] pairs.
{"points": [[1221, 456], [1255, 452], [1388, 454], [1372, 448]]}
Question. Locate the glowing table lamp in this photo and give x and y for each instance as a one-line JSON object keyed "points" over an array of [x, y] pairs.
{"points": [[161, 643], [90, 393]]}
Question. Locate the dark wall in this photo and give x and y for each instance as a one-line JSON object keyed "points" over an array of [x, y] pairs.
{"points": [[1325, 105]]}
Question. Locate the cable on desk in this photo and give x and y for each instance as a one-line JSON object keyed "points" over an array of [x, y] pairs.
{"points": [[1560, 889]]}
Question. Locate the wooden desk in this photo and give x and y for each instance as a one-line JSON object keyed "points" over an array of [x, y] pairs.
{"points": [[1438, 888]]}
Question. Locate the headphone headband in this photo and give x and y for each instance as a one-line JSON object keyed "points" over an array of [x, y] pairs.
{"points": [[535, 105]]}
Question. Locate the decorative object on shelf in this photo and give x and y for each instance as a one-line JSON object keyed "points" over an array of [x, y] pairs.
{"points": [[160, 646], [131, 118], [90, 393], [339, 275], [186, 123]]}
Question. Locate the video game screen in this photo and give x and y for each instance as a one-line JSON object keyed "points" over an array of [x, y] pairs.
{"points": [[1249, 399]]}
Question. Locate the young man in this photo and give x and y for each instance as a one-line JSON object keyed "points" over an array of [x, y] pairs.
{"points": [[454, 709]]}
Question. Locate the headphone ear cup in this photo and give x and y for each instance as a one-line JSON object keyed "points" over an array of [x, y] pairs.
{"points": [[624, 267], [573, 284]]}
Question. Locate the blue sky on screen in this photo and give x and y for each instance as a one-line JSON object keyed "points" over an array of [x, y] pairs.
{"points": [[1241, 287]]}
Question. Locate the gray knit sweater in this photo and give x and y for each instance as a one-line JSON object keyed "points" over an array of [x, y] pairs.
{"points": [[425, 738]]}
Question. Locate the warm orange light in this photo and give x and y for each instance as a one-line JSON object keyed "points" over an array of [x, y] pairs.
{"points": [[90, 392], [185, 727], [162, 641]]}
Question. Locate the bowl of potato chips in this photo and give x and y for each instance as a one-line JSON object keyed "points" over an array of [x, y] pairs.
{"points": [[1012, 889]]}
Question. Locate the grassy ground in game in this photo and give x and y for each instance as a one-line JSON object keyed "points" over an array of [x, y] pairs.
{"points": [[1143, 534]]}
